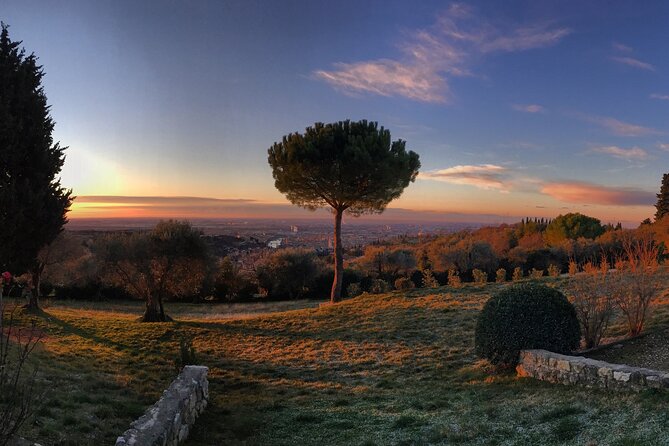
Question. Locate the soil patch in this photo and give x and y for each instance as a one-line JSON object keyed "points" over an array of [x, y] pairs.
{"points": [[649, 351]]}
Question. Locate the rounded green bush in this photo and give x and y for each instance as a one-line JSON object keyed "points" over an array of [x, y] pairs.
{"points": [[526, 316]]}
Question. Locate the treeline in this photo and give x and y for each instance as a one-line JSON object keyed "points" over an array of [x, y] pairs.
{"points": [[173, 262]]}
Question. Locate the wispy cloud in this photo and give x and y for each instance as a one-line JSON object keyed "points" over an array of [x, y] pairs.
{"points": [[662, 97], [632, 62], [432, 56], [528, 108], [633, 153], [623, 57], [621, 128], [621, 47], [663, 146], [588, 193], [483, 176]]}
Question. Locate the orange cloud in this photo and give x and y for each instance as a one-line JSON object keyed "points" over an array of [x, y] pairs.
{"points": [[483, 176], [587, 193]]}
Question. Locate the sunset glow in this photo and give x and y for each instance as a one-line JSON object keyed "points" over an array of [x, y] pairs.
{"points": [[516, 110]]}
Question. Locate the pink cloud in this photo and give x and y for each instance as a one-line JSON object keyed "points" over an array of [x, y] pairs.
{"points": [[588, 193], [632, 62], [622, 128], [432, 56], [633, 153], [483, 176], [528, 108]]}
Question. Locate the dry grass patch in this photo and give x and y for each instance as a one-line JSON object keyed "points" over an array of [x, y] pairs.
{"points": [[375, 370]]}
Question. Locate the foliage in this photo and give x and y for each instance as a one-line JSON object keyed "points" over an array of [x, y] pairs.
{"points": [[428, 279], [379, 286], [572, 226], [231, 284], [525, 316], [170, 261], [288, 273], [500, 275], [353, 290], [573, 267], [352, 167], [454, 279], [388, 262], [517, 274], [553, 270], [404, 284], [63, 250], [93, 290], [18, 392], [662, 205], [33, 203], [638, 281], [536, 273], [480, 277], [591, 294], [463, 255]]}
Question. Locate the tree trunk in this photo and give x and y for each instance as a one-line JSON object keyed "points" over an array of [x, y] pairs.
{"points": [[335, 294], [33, 294], [153, 311]]}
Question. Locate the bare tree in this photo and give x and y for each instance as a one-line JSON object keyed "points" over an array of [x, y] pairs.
{"points": [[638, 280], [590, 293]]}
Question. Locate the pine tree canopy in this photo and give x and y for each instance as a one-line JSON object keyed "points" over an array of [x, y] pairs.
{"points": [[349, 166], [33, 205]]}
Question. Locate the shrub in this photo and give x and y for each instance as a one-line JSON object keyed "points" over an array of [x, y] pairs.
{"points": [[638, 281], [553, 270], [379, 286], [428, 279], [525, 316], [454, 279], [353, 290], [536, 273], [500, 275], [517, 274], [480, 277], [404, 283], [573, 267], [590, 293]]}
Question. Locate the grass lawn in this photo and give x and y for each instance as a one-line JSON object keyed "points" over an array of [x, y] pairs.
{"points": [[395, 369]]}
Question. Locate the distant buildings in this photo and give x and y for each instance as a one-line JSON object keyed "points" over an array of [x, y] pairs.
{"points": [[274, 244]]}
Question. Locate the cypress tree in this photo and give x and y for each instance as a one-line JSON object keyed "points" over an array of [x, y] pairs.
{"points": [[33, 205], [662, 206]]}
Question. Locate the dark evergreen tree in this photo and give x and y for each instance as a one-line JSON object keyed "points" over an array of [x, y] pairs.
{"points": [[351, 167], [33, 205], [662, 206]]}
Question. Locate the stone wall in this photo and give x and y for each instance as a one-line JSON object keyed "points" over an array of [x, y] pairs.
{"points": [[556, 368], [169, 420]]}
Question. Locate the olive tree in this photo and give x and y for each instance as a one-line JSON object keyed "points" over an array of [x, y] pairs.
{"points": [[351, 167], [171, 260]]}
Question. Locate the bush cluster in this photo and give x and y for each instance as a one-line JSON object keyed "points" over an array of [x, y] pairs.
{"points": [[526, 316]]}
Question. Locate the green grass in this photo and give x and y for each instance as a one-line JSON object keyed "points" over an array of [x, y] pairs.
{"points": [[395, 369]]}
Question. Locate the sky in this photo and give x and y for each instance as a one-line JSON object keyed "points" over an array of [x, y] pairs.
{"points": [[516, 108]]}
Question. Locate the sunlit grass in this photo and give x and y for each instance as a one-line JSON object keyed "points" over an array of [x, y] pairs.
{"points": [[375, 370]]}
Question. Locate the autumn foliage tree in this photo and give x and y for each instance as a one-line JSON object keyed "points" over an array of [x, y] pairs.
{"points": [[33, 205], [351, 167], [172, 260]]}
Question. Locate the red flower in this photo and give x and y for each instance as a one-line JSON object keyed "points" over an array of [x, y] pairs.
{"points": [[6, 277]]}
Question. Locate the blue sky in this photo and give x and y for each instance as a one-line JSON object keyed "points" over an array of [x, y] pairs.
{"points": [[516, 108]]}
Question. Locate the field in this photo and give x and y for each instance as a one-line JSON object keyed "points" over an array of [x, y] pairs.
{"points": [[395, 369]]}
